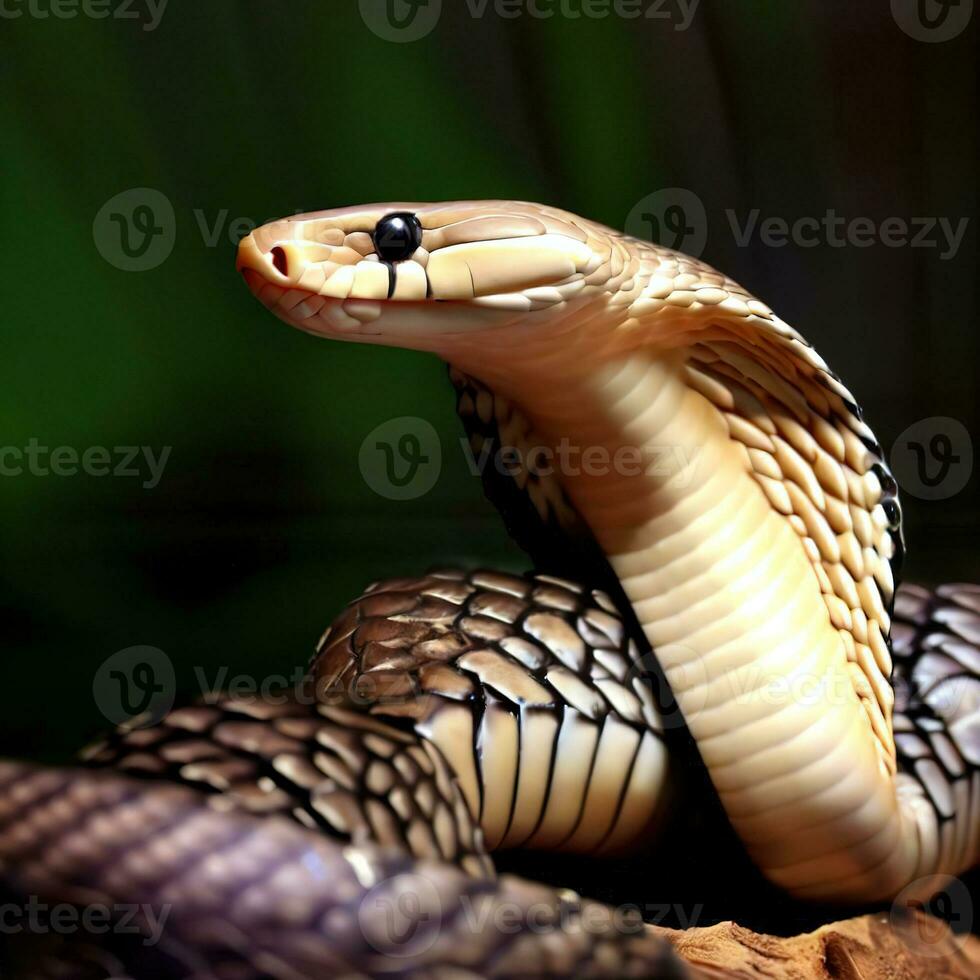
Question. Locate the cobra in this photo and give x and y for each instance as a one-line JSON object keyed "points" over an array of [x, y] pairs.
{"points": [[749, 558], [763, 581]]}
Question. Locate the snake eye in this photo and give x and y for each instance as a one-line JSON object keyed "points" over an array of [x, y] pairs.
{"points": [[397, 236]]}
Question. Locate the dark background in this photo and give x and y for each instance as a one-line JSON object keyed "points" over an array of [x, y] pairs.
{"points": [[262, 526]]}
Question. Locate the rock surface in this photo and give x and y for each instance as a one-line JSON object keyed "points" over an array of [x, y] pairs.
{"points": [[872, 947]]}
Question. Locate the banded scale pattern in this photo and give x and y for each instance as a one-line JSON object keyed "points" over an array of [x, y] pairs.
{"points": [[764, 586], [779, 557], [936, 643], [531, 688], [339, 772], [819, 466], [809, 449], [198, 893], [525, 490], [806, 443], [816, 459]]}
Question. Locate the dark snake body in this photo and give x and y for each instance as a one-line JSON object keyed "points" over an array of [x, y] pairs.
{"points": [[252, 830], [279, 838], [240, 896]]}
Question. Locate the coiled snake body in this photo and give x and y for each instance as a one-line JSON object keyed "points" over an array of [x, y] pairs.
{"points": [[737, 536]]}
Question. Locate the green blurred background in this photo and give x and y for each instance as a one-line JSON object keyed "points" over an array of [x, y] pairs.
{"points": [[262, 527]]}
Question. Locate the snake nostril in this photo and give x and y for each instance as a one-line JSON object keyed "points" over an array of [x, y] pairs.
{"points": [[280, 261]]}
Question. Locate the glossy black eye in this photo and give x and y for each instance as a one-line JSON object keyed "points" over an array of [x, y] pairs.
{"points": [[397, 236], [893, 512]]}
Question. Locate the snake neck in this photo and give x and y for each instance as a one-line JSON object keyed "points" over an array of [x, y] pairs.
{"points": [[650, 466], [736, 608]]}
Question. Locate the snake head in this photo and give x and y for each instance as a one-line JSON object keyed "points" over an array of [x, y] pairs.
{"points": [[416, 275]]}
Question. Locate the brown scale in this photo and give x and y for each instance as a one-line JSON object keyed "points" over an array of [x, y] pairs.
{"points": [[806, 444], [936, 646], [496, 670], [237, 897], [814, 459], [534, 506], [492, 422], [334, 770]]}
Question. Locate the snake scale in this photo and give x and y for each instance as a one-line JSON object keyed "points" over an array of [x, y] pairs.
{"points": [[730, 557]]}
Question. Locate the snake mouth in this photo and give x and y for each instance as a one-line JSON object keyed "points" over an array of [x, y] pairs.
{"points": [[310, 312], [411, 272], [403, 323], [417, 321]]}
